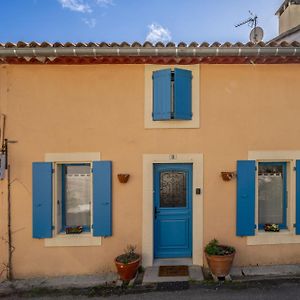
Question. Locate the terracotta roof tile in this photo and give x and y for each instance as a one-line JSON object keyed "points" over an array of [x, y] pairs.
{"points": [[136, 45], [168, 57], [146, 44]]}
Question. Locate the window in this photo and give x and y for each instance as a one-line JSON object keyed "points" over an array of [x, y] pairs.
{"points": [[272, 194], [72, 194], [74, 184], [172, 94], [268, 192]]}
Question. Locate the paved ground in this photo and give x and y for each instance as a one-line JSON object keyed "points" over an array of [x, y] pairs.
{"points": [[280, 289]]}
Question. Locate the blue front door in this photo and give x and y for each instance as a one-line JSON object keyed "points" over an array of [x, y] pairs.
{"points": [[172, 210]]}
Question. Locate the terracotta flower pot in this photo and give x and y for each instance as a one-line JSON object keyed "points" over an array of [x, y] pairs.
{"points": [[123, 178], [220, 265], [127, 271]]}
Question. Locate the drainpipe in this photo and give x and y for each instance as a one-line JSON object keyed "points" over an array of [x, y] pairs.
{"points": [[166, 52]]}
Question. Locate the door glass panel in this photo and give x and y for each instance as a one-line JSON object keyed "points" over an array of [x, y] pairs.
{"points": [[78, 186], [270, 194], [172, 189]]}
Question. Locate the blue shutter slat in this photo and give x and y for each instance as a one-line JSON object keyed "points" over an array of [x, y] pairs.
{"points": [[245, 207], [298, 197], [102, 198], [162, 95], [182, 94], [41, 200]]}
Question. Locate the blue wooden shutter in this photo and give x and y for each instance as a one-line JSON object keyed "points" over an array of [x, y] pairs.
{"points": [[41, 200], [162, 95], [245, 206], [102, 198], [298, 197], [182, 94]]}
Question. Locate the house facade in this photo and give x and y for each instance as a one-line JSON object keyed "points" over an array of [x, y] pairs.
{"points": [[75, 118]]}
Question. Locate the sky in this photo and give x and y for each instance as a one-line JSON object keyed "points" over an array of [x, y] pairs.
{"points": [[134, 20]]}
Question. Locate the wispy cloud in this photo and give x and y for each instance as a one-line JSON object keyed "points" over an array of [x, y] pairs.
{"points": [[85, 6], [76, 5], [105, 3], [90, 22], [158, 33]]}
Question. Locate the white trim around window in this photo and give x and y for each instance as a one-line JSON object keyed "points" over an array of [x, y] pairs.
{"points": [[287, 236], [61, 239]]}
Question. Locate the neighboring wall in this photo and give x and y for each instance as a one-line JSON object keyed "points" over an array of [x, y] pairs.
{"points": [[290, 18], [100, 108]]}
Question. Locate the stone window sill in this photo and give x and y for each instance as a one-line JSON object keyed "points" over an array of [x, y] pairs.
{"points": [[274, 238], [73, 240]]}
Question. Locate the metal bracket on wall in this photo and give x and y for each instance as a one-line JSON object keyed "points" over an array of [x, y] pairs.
{"points": [[2, 165]]}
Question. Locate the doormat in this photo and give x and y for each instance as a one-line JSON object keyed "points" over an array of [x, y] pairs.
{"points": [[169, 271]]}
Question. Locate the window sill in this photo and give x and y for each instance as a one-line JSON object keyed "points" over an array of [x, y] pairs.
{"points": [[274, 238], [73, 240]]}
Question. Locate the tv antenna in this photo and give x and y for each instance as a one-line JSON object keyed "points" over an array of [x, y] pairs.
{"points": [[257, 33], [251, 21]]}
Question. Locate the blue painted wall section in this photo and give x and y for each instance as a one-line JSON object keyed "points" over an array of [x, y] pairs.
{"points": [[42, 200], [245, 206]]}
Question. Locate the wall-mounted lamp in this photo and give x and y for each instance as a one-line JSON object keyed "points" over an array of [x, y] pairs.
{"points": [[227, 176], [123, 178]]}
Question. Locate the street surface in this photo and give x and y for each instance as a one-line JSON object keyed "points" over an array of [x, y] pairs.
{"points": [[274, 290]]}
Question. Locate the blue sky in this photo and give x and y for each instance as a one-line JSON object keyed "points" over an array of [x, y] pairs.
{"points": [[134, 20]]}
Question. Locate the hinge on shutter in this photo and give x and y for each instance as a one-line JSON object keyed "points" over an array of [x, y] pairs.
{"points": [[91, 170], [294, 225], [52, 227], [255, 168], [294, 168], [92, 226], [255, 226], [53, 170]]}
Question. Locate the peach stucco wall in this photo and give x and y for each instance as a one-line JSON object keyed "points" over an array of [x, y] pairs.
{"points": [[100, 108]]}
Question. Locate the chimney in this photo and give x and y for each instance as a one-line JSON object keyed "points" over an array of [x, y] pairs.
{"points": [[289, 15]]}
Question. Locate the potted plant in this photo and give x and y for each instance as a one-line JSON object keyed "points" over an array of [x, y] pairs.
{"points": [[128, 263], [219, 258]]}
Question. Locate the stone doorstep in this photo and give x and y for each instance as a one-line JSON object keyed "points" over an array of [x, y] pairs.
{"points": [[151, 275]]}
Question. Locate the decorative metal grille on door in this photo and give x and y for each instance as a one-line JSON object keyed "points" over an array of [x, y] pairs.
{"points": [[172, 189]]}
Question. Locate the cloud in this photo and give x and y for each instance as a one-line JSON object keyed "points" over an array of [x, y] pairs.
{"points": [[158, 33], [105, 3], [90, 22], [76, 5]]}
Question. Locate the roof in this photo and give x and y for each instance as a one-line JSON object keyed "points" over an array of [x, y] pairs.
{"points": [[286, 34], [283, 6], [147, 53]]}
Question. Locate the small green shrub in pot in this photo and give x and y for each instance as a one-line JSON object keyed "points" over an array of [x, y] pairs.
{"points": [[213, 248], [127, 263], [128, 256], [219, 258]]}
